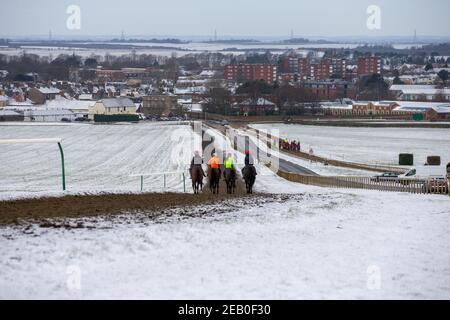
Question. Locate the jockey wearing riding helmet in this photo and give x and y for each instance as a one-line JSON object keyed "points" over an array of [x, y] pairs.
{"points": [[229, 163], [248, 158], [214, 162], [196, 161]]}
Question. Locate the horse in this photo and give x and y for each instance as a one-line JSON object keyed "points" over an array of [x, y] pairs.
{"points": [[249, 173], [214, 179], [230, 180], [197, 179]]}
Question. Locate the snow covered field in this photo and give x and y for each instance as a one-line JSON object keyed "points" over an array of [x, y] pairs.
{"points": [[369, 145], [318, 244], [99, 158], [179, 49], [309, 242]]}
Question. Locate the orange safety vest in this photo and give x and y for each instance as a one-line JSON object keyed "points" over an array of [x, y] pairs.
{"points": [[214, 163]]}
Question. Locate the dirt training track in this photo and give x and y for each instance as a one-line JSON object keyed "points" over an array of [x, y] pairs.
{"points": [[15, 212]]}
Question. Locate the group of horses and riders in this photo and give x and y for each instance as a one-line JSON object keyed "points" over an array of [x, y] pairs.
{"points": [[215, 171]]}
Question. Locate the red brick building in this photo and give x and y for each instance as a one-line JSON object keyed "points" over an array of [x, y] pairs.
{"points": [[303, 67], [369, 65], [251, 72], [289, 65], [321, 70], [110, 75], [339, 67], [330, 90]]}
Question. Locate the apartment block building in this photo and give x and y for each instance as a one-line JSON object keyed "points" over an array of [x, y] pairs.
{"points": [[369, 65], [250, 72], [321, 70], [339, 67]]}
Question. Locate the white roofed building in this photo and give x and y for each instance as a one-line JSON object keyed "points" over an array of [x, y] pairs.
{"points": [[421, 93], [113, 106]]}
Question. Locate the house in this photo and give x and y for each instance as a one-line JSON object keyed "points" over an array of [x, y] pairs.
{"points": [[41, 95], [438, 113], [114, 109], [259, 106]]}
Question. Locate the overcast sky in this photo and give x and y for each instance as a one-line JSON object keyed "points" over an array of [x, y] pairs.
{"points": [[230, 17]]}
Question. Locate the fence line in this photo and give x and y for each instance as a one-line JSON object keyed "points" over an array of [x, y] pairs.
{"points": [[164, 175], [416, 186]]}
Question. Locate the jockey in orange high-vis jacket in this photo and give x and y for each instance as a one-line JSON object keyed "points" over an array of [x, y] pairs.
{"points": [[214, 162]]}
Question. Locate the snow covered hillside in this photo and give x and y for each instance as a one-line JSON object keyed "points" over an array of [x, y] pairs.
{"points": [[99, 158], [317, 243], [303, 242]]}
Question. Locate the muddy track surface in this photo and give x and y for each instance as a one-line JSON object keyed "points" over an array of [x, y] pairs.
{"points": [[21, 211]]}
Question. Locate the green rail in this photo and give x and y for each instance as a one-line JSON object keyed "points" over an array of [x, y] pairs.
{"points": [[62, 166]]}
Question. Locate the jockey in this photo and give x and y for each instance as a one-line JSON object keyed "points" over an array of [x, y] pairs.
{"points": [[248, 158], [229, 163], [249, 163], [196, 161], [214, 162]]}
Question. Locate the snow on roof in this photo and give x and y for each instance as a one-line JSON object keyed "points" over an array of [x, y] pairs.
{"points": [[9, 113], [199, 89], [401, 87], [259, 102], [375, 103], [413, 106], [46, 112], [69, 104], [444, 108], [195, 107], [45, 90], [417, 104], [27, 103], [432, 91], [207, 73], [85, 96], [335, 105], [184, 100], [117, 103]]}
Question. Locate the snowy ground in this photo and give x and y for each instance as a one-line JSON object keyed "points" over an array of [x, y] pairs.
{"points": [[310, 243], [99, 158], [369, 145], [320, 243]]}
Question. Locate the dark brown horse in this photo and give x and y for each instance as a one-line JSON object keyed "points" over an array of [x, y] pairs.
{"points": [[214, 179], [197, 179], [230, 180], [249, 173]]}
